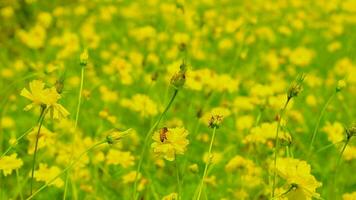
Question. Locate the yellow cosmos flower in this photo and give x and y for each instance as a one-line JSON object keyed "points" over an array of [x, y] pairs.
{"points": [[215, 117], [301, 184], [349, 196], [37, 94], [9, 163], [45, 138], [172, 196], [265, 133], [168, 142], [46, 174], [335, 131], [46, 97], [123, 158], [130, 177], [142, 104]]}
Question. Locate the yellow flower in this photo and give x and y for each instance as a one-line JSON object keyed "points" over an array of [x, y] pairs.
{"points": [[47, 174], [130, 177], [264, 133], [123, 158], [349, 196], [44, 97], [301, 184], [335, 131], [172, 196], [301, 56], [45, 138], [37, 94], [142, 104], [215, 117], [250, 173], [168, 142], [350, 153], [84, 58], [341, 84], [9, 163]]}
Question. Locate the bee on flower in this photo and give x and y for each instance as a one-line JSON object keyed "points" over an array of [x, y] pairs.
{"points": [[169, 142]]}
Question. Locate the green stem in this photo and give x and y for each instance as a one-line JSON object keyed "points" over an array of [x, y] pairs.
{"points": [[178, 180], [315, 132], [329, 145], [149, 133], [16, 142], [276, 148], [19, 190], [338, 162], [42, 116], [288, 151], [206, 164], [66, 169], [75, 127]]}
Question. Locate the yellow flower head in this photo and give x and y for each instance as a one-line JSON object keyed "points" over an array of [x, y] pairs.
{"points": [[142, 104], [45, 138], [9, 163], [172, 196], [84, 58], [130, 177], [215, 117], [37, 94], [168, 142], [44, 97], [46, 174], [123, 158], [301, 184]]}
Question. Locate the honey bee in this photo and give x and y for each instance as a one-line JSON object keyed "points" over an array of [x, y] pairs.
{"points": [[163, 134]]}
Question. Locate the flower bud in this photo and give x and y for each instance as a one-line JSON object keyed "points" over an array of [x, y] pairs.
{"points": [[350, 132], [115, 135], [296, 87], [178, 79], [84, 58], [341, 84], [194, 168]]}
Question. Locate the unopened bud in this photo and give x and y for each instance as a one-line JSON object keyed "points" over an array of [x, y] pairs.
{"points": [[84, 58], [115, 135], [341, 84], [296, 87], [178, 79]]}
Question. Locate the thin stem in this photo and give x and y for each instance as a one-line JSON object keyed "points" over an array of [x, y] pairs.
{"points": [[79, 97], [149, 133], [178, 179], [19, 184], [259, 116], [315, 132], [75, 127], [329, 145], [42, 116], [16, 142], [288, 151], [206, 164], [66, 169], [338, 162], [276, 148]]}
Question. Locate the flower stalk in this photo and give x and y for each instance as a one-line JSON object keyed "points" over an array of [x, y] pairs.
{"points": [[149, 133], [207, 164], [41, 119]]}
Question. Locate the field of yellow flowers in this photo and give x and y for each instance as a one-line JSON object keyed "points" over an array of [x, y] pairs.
{"points": [[178, 99]]}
